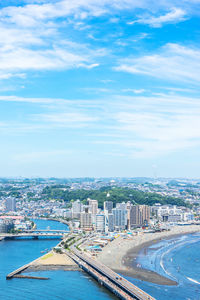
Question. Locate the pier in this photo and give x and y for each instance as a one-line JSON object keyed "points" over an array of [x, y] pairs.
{"points": [[105, 276], [17, 271]]}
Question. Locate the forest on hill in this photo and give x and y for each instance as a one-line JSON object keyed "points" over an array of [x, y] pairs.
{"points": [[115, 194]]}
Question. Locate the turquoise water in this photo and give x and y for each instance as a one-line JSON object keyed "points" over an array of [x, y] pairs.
{"points": [[61, 285]]}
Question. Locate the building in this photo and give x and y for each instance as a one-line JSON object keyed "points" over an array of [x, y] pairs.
{"points": [[187, 216], [100, 223], [130, 214], [77, 208], [120, 218], [108, 206], [121, 205], [86, 220], [6, 226], [93, 206], [171, 218], [139, 215], [10, 204], [162, 210], [111, 222]]}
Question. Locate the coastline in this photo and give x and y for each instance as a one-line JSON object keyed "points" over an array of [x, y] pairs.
{"points": [[121, 254], [52, 261]]}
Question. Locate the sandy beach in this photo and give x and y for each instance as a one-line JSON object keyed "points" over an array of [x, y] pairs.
{"points": [[120, 254]]}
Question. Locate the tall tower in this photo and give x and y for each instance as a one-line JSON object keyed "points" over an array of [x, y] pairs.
{"points": [[93, 206]]}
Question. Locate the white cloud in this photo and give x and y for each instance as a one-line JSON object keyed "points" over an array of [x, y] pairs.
{"points": [[9, 75], [135, 91], [176, 15], [28, 100], [156, 126], [68, 119], [27, 59], [174, 62], [142, 126], [159, 125], [31, 39]]}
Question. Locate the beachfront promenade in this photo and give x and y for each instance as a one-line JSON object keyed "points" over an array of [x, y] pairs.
{"points": [[110, 279]]}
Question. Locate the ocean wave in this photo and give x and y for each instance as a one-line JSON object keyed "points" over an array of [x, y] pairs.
{"points": [[178, 243], [193, 280]]}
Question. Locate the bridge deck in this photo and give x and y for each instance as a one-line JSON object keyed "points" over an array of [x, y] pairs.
{"points": [[10, 235], [119, 285]]}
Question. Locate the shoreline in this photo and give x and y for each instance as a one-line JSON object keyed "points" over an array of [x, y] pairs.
{"points": [[51, 267], [121, 254], [50, 261]]}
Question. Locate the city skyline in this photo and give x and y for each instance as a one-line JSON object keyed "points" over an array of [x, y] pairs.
{"points": [[99, 88]]}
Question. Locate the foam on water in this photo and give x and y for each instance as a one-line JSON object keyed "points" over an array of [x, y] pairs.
{"points": [[177, 259], [193, 280]]}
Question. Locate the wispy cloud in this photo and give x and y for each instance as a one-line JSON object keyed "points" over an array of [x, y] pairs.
{"points": [[176, 15], [31, 38], [135, 91], [140, 126], [58, 57], [28, 100], [173, 61], [153, 126], [69, 119]]}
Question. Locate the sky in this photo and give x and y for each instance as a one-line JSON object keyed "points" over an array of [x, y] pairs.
{"points": [[100, 88]]}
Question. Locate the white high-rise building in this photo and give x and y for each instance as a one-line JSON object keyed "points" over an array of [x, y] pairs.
{"points": [[86, 220], [77, 208], [93, 206], [120, 219]]}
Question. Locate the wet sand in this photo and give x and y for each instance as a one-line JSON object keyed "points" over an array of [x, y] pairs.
{"points": [[120, 255]]}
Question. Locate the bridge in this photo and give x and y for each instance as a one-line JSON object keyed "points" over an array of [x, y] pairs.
{"points": [[46, 230], [114, 282], [34, 235]]}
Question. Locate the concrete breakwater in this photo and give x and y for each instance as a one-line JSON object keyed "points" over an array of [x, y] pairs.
{"points": [[30, 277], [49, 261], [17, 271]]}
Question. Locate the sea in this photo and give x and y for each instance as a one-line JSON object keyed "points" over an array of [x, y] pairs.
{"points": [[177, 258], [65, 285]]}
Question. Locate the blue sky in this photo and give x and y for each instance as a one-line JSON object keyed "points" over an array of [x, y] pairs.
{"points": [[100, 88]]}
